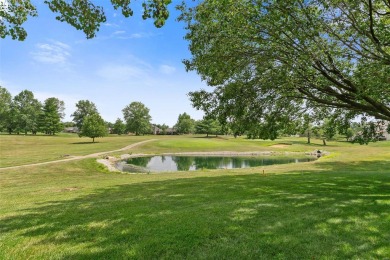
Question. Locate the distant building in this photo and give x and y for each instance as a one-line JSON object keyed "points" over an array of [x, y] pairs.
{"points": [[158, 131], [72, 129], [384, 132], [171, 131]]}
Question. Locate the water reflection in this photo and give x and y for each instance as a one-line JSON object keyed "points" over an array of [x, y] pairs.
{"points": [[192, 163]]}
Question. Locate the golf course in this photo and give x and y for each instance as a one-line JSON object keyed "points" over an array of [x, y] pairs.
{"points": [[58, 202]]}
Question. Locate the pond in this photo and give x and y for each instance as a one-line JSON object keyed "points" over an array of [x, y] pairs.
{"points": [[169, 163]]}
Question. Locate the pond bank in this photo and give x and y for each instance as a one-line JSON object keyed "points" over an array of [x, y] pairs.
{"points": [[110, 162]]}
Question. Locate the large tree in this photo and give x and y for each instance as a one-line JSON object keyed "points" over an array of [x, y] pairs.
{"points": [[52, 113], [185, 124], [84, 15], [5, 107], [25, 111], [313, 54], [137, 118], [84, 108], [93, 126]]}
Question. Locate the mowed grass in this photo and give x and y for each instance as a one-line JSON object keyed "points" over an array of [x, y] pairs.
{"points": [[335, 208], [25, 149]]}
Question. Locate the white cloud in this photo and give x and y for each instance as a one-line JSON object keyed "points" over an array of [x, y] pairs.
{"points": [[119, 32], [54, 52], [121, 72], [111, 25], [135, 36], [166, 69]]}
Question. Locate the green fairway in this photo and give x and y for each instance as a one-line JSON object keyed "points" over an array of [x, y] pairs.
{"points": [[335, 208], [24, 149]]}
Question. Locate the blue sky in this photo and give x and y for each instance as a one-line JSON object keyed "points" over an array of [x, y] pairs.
{"points": [[129, 60]]}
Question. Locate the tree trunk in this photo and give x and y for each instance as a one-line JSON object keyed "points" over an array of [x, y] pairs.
{"points": [[93, 139], [308, 136], [324, 141]]}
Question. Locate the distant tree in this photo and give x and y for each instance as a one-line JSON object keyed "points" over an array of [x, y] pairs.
{"points": [[207, 126], [349, 134], [109, 124], [329, 130], [69, 124], [93, 126], [164, 128], [306, 127], [52, 113], [137, 118], [84, 108], [5, 107], [25, 111], [185, 124], [119, 127]]}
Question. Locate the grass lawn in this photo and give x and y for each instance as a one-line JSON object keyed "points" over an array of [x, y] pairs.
{"points": [[335, 208], [24, 149]]}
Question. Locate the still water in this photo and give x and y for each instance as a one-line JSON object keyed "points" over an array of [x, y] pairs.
{"points": [[193, 163]]}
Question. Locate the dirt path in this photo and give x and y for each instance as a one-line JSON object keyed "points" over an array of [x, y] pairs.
{"points": [[73, 158]]}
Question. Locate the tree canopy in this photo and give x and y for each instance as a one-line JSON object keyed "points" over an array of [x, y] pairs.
{"points": [[5, 107], [281, 56], [84, 108], [83, 15], [137, 118], [185, 124], [24, 114], [93, 126], [51, 116]]}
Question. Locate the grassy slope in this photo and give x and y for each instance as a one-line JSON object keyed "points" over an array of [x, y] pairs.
{"points": [[18, 150], [336, 208]]}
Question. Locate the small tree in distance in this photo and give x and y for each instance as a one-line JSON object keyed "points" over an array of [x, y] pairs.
{"points": [[93, 126], [119, 127]]}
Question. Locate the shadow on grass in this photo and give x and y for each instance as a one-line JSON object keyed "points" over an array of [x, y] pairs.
{"points": [[211, 137], [90, 142], [299, 216], [357, 167]]}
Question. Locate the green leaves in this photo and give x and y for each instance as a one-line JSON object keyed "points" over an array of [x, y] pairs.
{"points": [[84, 108], [94, 126], [185, 124], [52, 113], [137, 118], [83, 15], [331, 54], [156, 9], [13, 13]]}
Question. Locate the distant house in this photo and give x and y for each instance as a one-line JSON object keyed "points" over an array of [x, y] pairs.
{"points": [[156, 130], [384, 132], [72, 129], [171, 131]]}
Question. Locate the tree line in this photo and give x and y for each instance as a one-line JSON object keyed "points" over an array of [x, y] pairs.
{"points": [[25, 114], [274, 65]]}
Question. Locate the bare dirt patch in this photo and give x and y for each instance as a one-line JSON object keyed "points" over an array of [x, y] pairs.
{"points": [[280, 145]]}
